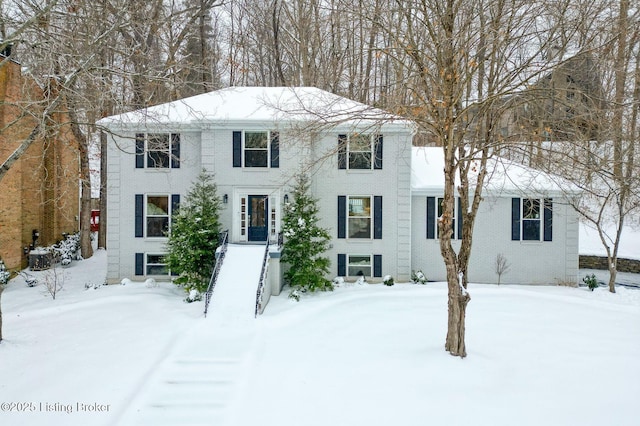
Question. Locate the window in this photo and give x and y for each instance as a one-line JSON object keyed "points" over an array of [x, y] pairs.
{"points": [[360, 151], [162, 150], [434, 213], [158, 150], [152, 212], [359, 224], [360, 217], [453, 220], [355, 265], [157, 215], [359, 265], [256, 149], [532, 219], [156, 265], [259, 149]]}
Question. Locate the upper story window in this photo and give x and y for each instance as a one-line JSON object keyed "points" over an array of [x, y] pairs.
{"points": [[532, 219], [157, 150], [256, 149], [360, 151]]}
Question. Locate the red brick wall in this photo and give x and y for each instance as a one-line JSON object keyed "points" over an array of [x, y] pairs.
{"points": [[40, 191]]}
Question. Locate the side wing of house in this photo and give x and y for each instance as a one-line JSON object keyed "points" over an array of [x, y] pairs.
{"points": [[538, 237]]}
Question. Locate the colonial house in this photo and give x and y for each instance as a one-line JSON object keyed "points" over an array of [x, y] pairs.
{"points": [[39, 196], [377, 194]]}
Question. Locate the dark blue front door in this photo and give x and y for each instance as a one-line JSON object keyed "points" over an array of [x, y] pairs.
{"points": [[258, 206]]}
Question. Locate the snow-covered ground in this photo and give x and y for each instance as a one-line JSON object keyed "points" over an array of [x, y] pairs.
{"points": [[362, 355]]}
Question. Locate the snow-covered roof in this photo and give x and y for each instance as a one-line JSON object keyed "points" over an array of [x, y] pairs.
{"points": [[256, 104], [504, 177]]}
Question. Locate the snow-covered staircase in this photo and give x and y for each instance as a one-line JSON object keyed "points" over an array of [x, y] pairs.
{"points": [[197, 382]]}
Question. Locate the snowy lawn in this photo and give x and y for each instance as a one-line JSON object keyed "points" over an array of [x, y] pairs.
{"points": [[362, 355]]}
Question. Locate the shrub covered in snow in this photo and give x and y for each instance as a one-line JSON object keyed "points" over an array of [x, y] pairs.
{"points": [[295, 295], [388, 280], [338, 282], [4, 274], [193, 296], [67, 250], [417, 277], [591, 281]]}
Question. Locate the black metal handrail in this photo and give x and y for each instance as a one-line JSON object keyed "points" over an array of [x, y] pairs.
{"points": [[263, 279], [224, 240]]}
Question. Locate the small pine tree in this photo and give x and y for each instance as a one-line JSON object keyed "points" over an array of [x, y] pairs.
{"points": [[193, 238], [305, 241]]}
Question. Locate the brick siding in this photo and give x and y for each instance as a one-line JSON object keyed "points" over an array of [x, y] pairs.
{"points": [[40, 191]]}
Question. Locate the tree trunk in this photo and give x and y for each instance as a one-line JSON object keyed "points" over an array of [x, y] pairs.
{"points": [[1, 290], [102, 225], [85, 186], [457, 304]]}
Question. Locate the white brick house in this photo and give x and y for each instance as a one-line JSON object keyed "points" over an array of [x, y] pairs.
{"points": [[254, 139]]}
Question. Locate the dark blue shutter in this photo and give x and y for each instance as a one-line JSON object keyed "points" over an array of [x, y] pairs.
{"points": [[237, 149], [460, 215], [515, 219], [431, 218], [139, 215], [342, 216], [342, 151], [548, 219], [377, 161], [377, 265], [139, 268], [275, 150], [377, 217], [175, 151], [139, 150], [175, 204], [342, 265]]}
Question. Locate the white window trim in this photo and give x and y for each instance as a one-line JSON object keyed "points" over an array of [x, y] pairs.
{"points": [[146, 215], [147, 151], [370, 217], [147, 264], [436, 231], [244, 149], [370, 266], [372, 147], [540, 220]]}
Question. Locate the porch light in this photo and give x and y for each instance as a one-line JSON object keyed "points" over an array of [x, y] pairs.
{"points": [[286, 198], [225, 198]]}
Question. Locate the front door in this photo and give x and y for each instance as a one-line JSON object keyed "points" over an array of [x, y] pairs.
{"points": [[258, 207]]}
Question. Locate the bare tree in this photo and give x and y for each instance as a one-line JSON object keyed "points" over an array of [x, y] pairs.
{"points": [[461, 60], [501, 265]]}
